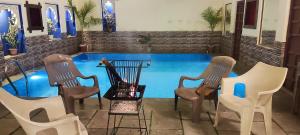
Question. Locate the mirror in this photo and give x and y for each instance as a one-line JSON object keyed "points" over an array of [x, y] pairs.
{"points": [[34, 17], [269, 22], [251, 10], [227, 19]]}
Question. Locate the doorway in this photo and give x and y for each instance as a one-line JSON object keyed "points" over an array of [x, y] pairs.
{"points": [[292, 49], [238, 29]]}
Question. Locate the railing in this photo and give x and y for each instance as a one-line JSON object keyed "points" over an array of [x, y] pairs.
{"points": [[21, 69]]}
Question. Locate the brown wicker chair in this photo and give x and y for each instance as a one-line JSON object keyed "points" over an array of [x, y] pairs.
{"points": [[63, 73], [219, 67]]}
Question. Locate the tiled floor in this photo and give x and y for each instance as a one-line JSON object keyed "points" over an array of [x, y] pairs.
{"points": [[163, 120]]}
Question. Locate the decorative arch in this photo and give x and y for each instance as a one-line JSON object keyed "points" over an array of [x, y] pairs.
{"points": [[70, 23], [108, 16], [11, 13], [53, 23]]}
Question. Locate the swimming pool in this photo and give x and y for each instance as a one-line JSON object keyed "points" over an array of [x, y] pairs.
{"points": [[160, 78]]}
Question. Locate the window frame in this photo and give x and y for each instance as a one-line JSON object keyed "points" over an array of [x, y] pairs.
{"points": [[254, 26]]}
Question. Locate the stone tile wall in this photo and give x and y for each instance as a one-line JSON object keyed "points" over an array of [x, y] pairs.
{"points": [[227, 45], [251, 53], [1, 66], [161, 42], [268, 37], [39, 47]]}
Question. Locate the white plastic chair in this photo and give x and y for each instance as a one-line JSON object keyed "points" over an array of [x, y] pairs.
{"points": [[60, 122], [261, 82]]}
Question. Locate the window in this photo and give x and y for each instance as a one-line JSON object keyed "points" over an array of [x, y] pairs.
{"points": [[108, 16], [53, 22], [70, 22], [10, 17], [251, 14]]}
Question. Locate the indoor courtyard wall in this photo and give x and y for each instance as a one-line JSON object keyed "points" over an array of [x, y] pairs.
{"points": [[270, 51], [173, 26], [38, 43]]}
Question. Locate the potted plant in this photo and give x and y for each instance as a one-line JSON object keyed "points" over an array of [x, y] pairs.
{"points": [[50, 28], [145, 39], [213, 17], [84, 18], [11, 37]]}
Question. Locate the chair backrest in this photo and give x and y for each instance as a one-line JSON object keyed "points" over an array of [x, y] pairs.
{"points": [[220, 67], [61, 70], [113, 75], [18, 107], [122, 71], [264, 77]]}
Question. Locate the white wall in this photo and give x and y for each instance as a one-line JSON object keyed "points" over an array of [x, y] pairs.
{"points": [[282, 25], [160, 15], [157, 15], [270, 15], [61, 3], [97, 13], [278, 21], [163, 15]]}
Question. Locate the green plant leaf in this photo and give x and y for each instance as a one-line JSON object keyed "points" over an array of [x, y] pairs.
{"points": [[212, 16], [83, 14]]}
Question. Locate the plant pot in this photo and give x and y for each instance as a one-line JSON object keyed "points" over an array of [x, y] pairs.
{"points": [[83, 48], [51, 37], [149, 49], [13, 51]]}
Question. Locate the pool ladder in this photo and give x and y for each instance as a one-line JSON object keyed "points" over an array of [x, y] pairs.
{"points": [[21, 69]]}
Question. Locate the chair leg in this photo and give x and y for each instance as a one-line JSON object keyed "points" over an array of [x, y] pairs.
{"points": [[246, 121], [107, 124], [70, 106], [197, 105], [217, 116], [140, 127], [145, 121], [268, 117], [216, 100], [81, 101], [100, 101], [176, 101], [114, 129]]}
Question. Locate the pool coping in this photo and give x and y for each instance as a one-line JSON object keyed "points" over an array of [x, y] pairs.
{"points": [[20, 75]]}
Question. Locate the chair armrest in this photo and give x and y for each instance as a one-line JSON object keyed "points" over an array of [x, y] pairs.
{"points": [[263, 97], [66, 125], [54, 106], [182, 78], [227, 84], [92, 77]]}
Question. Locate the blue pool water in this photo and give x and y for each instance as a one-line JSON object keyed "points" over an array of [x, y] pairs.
{"points": [[161, 78]]}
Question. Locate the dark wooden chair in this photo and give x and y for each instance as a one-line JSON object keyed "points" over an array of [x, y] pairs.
{"points": [[63, 73], [125, 93], [219, 67]]}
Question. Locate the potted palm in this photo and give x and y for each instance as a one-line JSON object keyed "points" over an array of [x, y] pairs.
{"points": [[84, 18], [11, 38], [213, 17], [145, 39]]}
